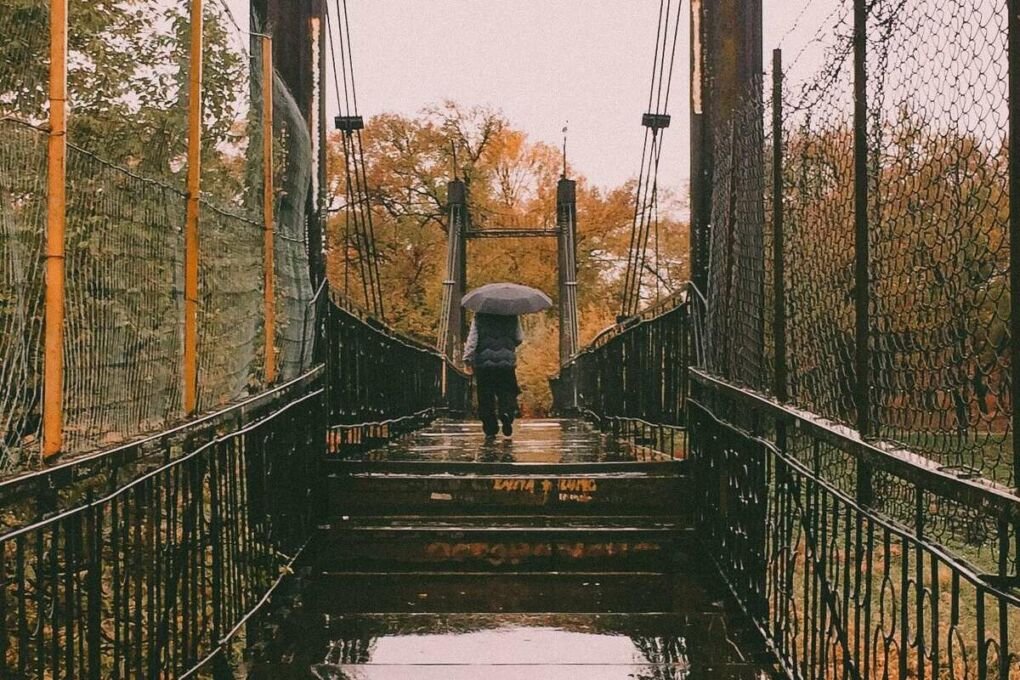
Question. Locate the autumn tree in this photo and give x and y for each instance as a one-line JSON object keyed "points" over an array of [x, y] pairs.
{"points": [[128, 67], [511, 182]]}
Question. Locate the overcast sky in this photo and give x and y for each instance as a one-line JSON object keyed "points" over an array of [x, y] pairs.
{"points": [[544, 62]]}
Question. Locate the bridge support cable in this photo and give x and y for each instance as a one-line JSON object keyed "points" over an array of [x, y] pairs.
{"points": [[646, 199], [359, 228]]}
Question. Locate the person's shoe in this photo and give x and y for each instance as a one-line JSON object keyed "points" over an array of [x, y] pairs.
{"points": [[508, 425]]}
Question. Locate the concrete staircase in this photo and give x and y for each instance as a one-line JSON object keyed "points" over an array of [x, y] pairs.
{"points": [[508, 570]]}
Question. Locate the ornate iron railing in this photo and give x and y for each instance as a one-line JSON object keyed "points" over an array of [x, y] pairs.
{"points": [[147, 560], [382, 383], [632, 380], [854, 560]]}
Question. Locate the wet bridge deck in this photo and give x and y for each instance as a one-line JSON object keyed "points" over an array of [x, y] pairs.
{"points": [[557, 554]]}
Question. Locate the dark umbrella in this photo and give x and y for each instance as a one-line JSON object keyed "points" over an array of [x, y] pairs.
{"points": [[506, 299]]}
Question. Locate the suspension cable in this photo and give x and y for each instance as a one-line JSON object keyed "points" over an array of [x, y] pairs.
{"points": [[646, 195], [359, 230]]}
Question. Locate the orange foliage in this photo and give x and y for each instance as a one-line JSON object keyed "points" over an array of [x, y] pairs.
{"points": [[511, 183]]}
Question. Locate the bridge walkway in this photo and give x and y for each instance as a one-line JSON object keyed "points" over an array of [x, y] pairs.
{"points": [[557, 554]]}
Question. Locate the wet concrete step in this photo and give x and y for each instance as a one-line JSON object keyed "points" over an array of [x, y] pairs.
{"points": [[386, 466], [620, 493], [517, 646], [451, 442], [508, 592], [541, 543]]}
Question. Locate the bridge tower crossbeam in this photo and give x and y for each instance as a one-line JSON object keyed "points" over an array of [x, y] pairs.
{"points": [[453, 323]]}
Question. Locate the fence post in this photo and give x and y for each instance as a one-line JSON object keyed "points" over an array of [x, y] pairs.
{"points": [[269, 219], [862, 359], [778, 263], [1014, 224], [56, 222], [191, 223]]}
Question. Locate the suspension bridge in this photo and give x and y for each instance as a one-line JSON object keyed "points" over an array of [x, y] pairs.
{"points": [[219, 460]]}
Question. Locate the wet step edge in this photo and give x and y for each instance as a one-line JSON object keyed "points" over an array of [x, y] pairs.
{"points": [[506, 592]]}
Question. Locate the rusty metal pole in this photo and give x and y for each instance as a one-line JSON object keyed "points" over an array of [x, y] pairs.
{"points": [[194, 187], [268, 217], [862, 284], [726, 71], [701, 148], [56, 222], [861, 250]]}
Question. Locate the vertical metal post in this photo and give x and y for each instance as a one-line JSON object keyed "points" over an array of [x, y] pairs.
{"points": [[455, 283], [56, 222], [701, 148], [1014, 222], [566, 215], [730, 344], [727, 60], [191, 222], [861, 253], [780, 388], [268, 217], [862, 284], [464, 225]]}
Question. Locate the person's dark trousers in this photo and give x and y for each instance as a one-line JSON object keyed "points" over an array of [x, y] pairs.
{"points": [[497, 395]]}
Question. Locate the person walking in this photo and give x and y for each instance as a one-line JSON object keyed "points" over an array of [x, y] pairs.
{"points": [[491, 353], [491, 348]]}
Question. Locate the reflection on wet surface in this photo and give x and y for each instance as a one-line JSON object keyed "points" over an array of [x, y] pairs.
{"points": [[534, 441], [511, 647], [545, 556], [508, 652]]}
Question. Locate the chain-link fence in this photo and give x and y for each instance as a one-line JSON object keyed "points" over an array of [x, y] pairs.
{"points": [[928, 289], [939, 230], [22, 225], [128, 71]]}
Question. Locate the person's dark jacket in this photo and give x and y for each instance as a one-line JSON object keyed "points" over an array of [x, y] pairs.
{"points": [[492, 341]]}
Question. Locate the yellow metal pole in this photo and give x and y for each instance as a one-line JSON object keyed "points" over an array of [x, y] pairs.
{"points": [[191, 223], [56, 216], [269, 224]]}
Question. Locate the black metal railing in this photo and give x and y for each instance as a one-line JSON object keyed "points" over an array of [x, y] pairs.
{"points": [[854, 560], [632, 380], [148, 560], [383, 383]]}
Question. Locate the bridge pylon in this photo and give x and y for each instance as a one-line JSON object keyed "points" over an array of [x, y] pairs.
{"points": [[453, 322], [566, 225]]}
